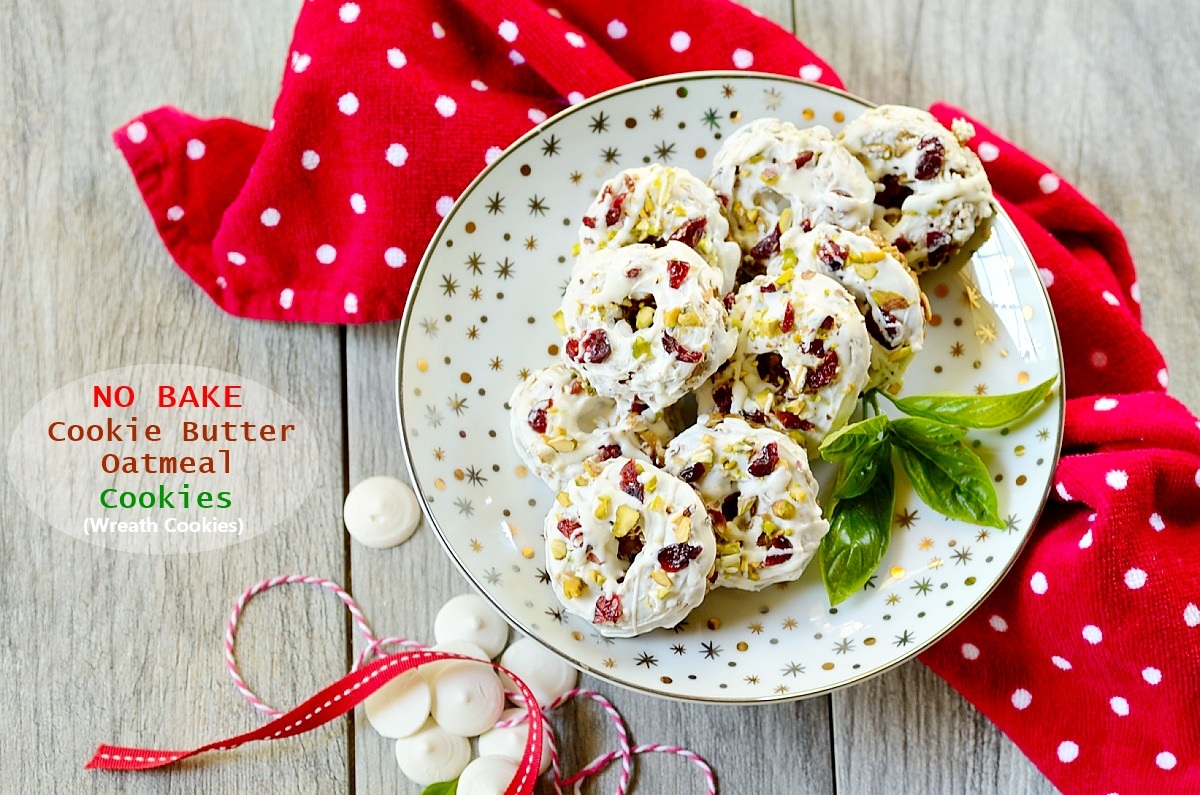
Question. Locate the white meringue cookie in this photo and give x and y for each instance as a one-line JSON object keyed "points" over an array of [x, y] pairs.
{"points": [[399, 708], [470, 617], [381, 512], [467, 698], [463, 647], [487, 775], [544, 672], [509, 742], [432, 755]]}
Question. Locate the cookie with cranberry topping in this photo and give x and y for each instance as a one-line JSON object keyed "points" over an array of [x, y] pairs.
{"points": [[876, 274], [629, 547], [760, 495], [801, 360], [931, 192], [645, 322], [654, 204], [770, 176], [558, 421]]}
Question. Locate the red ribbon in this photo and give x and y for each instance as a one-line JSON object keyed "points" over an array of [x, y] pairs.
{"points": [[334, 701]]}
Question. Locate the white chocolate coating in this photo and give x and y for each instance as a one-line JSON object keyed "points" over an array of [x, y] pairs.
{"points": [[544, 672], [886, 291], [432, 755], [470, 617], [931, 191], [770, 166], [467, 698], [487, 775], [509, 742], [381, 512], [634, 335], [657, 203], [629, 561], [765, 516], [400, 707], [801, 376], [577, 423]]}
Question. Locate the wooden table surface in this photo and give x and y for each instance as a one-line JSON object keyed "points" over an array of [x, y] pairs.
{"points": [[126, 648]]}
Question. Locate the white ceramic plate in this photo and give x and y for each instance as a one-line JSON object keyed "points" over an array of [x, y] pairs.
{"points": [[479, 317]]}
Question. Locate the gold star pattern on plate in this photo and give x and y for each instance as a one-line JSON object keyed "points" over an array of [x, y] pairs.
{"points": [[1043, 434], [752, 680], [476, 293], [439, 454], [983, 535], [756, 627], [473, 333], [986, 332], [781, 689], [727, 91], [476, 546], [609, 662], [970, 296], [790, 623], [576, 177], [926, 544], [523, 373], [936, 563], [772, 98], [981, 389], [956, 350], [530, 243], [496, 363], [656, 112], [906, 518], [893, 598]]}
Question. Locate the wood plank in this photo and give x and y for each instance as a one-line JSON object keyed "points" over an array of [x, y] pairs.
{"points": [[112, 646]]}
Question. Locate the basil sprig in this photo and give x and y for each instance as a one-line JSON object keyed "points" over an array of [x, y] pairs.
{"points": [[441, 788], [946, 473]]}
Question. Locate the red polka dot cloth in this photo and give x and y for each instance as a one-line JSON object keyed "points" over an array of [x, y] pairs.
{"points": [[1087, 655]]}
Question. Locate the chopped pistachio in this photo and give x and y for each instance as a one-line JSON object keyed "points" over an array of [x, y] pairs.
{"points": [[627, 519], [663, 593], [563, 444], [785, 277], [785, 219], [797, 493], [597, 577], [657, 503], [703, 456], [789, 259], [560, 322], [641, 347], [601, 509], [661, 577], [563, 499], [581, 480], [575, 250], [729, 561], [573, 587], [730, 548], [645, 317], [689, 317], [763, 399], [769, 526], [866, 270], [558, 549], [671, 317], [888, 301], [652, 483], [756, 158], [592, 468], [683, 528], [783, 509]]}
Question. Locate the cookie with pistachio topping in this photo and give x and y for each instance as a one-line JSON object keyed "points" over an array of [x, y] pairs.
{"points": [[760, 495], [876, 274], [801, 360], [645, 322], [931, 192], [558, 421], [629, 547], [654, 204]]}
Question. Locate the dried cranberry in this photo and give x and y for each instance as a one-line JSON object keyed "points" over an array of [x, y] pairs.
{"points": [[764, 461], [888, 334], [933, 155], [614, 210], [806, 224], [823, 374], [608, 451], [768, 246], [672, 346], [573, 349], [789, 318], [677, 271], [567, 527], [638, 406], [692, 472], [654, 240], [782, 543], [938, 244], [595, 346], [729, 506], [769, 287], [690, 233], [755, 417], [827, 323], [902, 244], [677, 556], [629, 481], [537, 420], [629, 546], [633, 273], [576, 387], [771, 370], [935, 239], [589, 222], [608, 610], [832, 255], [893, 194], [804, 157], [793, 422], [723, 398], [730, 298]]}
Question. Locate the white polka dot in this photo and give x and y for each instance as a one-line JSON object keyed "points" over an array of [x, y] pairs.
{"points": [[1198, 477], [491, 154], [1135, 578], [285, 297], [1048, 183], [1047, 277], [1038, 583], [1135, 292], [350, 304], [300, 62], [348, 104], [1110, 298], [1119, 705], [617, 29], [397, 154], [174, 213], [269, 217], [970, 651], [195, 149], [271, 124], [743, 59], [1105, 404], [1086, 540], [680, 41], [1099, 360], [136, 132], [508, 31], [1191, 615], [988, 151], [326, 254], [445, 105], [1152, 675], [536, 116], [1061, 663], [438, 31], [221, 282], [396, 58], [1163, 378], [479, 85], [1021, 698], [1165, 760], [443, 205], [810, 71], [574, 98], [358, 203], [395, 257], [574, 39], [1091, 517], [310, 160], [516, 57], [1068, 751], [554, 12], [1092, 634], [1117, 479], [236, 258], [348, 12], [1156, 521], [998, 624], [1062, 492]]}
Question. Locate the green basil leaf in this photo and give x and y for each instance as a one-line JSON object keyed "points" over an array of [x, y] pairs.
{"points": [[857, 473], [843, 443], [952, 480], [859, 531], [919, 430], [441, 788], [974, 411]]}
